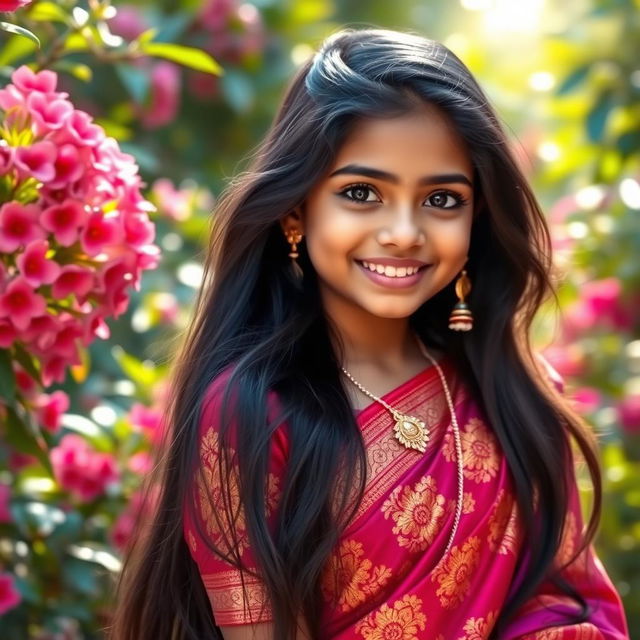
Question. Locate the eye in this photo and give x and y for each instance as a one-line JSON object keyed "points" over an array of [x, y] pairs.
{"points": [[446, 200], [359, 193]]}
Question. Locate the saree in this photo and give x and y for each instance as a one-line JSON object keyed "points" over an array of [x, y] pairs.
{"points": [[388, 577]]}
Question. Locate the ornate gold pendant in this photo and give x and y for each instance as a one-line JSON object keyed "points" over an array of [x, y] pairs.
{"points": [[410, 431]]}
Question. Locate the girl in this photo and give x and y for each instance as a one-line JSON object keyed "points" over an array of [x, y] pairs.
{"points": [[362, 443]]}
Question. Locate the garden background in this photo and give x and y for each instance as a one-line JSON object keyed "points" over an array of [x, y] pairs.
{"points": [[186, 89]]}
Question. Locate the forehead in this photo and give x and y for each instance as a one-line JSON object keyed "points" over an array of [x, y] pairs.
{"points": [[414, 143]]}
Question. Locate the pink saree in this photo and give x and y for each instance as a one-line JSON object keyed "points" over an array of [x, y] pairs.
{"points": [[387, 578]]}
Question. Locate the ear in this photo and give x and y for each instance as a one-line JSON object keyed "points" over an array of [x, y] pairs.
{"points": [[293, 220]]}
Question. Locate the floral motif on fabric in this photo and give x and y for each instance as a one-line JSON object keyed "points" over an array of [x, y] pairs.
{"points": [[454, 572], [417, 512], [503, 525], [219, 500], [479, 628], [468, 503], [402, 621], [350, 579], [480, 451]]}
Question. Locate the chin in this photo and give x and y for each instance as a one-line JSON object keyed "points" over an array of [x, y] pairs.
{"points": [[395, 311]]}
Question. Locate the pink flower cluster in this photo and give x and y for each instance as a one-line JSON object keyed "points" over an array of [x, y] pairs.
{"points": [[10, 597], [233, 33], [165, 78], [601, 304], [80, 469], [75, 234], [12, 5], [141, 505]]}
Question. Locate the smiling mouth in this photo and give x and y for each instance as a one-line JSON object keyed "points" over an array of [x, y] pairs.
{"points": [[392, 272]]}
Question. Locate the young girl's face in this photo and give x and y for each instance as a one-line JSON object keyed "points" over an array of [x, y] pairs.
{"points": [[399, 195]]}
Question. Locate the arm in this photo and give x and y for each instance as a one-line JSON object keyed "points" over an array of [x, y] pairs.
{"points": [[238, 598]]}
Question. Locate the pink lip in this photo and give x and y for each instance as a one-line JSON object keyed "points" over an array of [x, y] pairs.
{"points": [[394, 283]]}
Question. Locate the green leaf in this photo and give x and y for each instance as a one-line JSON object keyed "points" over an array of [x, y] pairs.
{"points": [[25, 360], [67, 531], [145, 157], [187, 56], [7, 379], [23, 437], [139, 372], [629, 143], [80, 575], [574, 79], [146, 36], [135, 80], [20, 31], [597, 117], [75, 42], [238, 90], [47, 12], [29, 589], [81, 71], [15, 48]]}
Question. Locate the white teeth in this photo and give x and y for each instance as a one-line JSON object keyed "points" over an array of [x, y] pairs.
{"points": [[389, 271]]}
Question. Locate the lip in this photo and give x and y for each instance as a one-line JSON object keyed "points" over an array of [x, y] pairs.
{"points": [[393, 282]]}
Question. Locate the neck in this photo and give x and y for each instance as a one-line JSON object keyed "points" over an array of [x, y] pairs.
{"points": [[388, 344]]}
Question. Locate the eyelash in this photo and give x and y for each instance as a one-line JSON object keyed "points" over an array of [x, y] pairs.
{"points": [[461, 200]]}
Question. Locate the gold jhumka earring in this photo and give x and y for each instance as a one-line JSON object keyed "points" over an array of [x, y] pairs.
{"points": [[461, 318], [293, 238]]}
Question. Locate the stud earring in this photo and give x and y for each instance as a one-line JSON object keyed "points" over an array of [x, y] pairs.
{"points": [[461, 318], [293, 238]]}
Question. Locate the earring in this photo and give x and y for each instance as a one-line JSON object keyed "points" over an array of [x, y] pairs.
{"points": [[293, 238], [461, 318]]}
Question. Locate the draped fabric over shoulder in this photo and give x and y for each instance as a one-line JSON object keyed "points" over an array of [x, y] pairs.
{"points": [[388, 577]]}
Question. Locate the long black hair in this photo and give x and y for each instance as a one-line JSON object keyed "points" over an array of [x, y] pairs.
{"points": [[250, 312]]}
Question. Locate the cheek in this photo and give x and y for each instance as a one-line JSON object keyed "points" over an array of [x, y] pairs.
{"points": [[450, 240], [332, 235]]}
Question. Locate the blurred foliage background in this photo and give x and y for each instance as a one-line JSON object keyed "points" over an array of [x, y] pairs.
{"points": [[565, 78]]}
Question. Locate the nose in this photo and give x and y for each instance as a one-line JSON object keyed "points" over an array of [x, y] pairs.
{"points": [[402, 228]]}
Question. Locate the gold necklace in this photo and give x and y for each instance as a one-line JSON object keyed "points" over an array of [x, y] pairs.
{"points": [[413, 433]]}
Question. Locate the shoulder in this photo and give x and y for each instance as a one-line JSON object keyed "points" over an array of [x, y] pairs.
{"points": [[213, 402]]}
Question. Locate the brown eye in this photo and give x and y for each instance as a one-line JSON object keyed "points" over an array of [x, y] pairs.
{"points": [[446, 200], [359, 193]]}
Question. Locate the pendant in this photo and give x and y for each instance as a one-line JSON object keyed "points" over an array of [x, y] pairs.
{"points": [[410, 431]]}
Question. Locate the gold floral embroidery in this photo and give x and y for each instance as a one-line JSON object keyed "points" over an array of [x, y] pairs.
{"points": [[417, 513], [480, 452], [503, 525], [401, 622], [453, 574], [350, 579], [219, 501], [479, 628], [468, 503]]}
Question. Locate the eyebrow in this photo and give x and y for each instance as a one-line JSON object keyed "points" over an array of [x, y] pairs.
{"points": [[390, 177]]}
